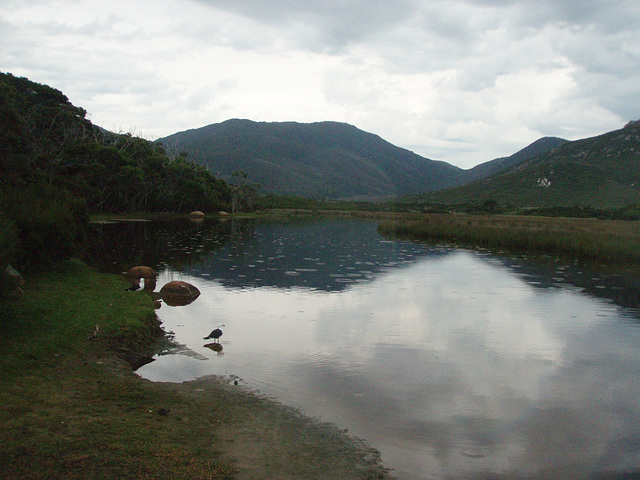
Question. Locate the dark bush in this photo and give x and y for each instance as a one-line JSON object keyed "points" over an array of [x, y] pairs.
{"points": [[50, 224]]}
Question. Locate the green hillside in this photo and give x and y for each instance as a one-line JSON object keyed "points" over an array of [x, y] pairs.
{"points": [[317, 160], [56, 167], [46, 142], [601, 172], [540, 146]]}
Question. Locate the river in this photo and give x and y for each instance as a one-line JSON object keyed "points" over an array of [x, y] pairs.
{"points": [[453, 362]]}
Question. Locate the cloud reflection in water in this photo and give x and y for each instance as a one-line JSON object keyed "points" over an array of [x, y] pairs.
{"points": [[450, 363]]}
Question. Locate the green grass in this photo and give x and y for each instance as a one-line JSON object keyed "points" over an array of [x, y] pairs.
{"points": [[70, 409], [60, 313], [582, 238]]}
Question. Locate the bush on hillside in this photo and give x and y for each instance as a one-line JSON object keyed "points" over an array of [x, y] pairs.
{"points": [[49, 221]]}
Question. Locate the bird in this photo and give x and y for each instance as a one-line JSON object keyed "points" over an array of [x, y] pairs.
{"points": [[216, 333], [136, 286]]}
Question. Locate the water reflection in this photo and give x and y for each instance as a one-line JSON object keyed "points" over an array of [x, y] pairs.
{"points": [[453, 363], [117, 246], [320, 255]]}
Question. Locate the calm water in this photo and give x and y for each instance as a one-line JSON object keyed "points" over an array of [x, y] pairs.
{"points": [[453, 363]]}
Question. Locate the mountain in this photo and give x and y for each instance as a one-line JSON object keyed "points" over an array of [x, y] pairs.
{"points": [[540, 146], [602, 171], [317, 160]]}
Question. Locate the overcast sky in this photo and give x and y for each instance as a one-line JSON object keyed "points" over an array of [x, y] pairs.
{"points": [[461, 81]]}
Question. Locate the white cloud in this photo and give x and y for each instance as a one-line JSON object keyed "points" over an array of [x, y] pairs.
{"points": [[463, 81]]}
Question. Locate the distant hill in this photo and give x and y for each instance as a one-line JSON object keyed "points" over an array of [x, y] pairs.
{"points": [[540, 146], [602, 171], [316, 160]]}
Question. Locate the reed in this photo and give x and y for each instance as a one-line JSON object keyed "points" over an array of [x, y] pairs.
{"points": [[581, 238]]}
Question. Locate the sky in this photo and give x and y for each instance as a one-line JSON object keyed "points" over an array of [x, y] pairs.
{"points": [[462, 81]]}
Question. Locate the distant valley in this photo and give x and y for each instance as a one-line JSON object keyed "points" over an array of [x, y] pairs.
{"points": [[46, 139]]}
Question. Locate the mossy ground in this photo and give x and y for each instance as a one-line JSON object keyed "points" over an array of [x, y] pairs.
{"points": [[71, 408]]}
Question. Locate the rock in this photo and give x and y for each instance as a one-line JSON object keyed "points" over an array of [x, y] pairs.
{"points": [[141, 272], [196, 213], [136, 273], [178, 293], [222, 213]]}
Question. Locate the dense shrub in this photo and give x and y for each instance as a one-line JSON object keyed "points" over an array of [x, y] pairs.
{"points": [[49, 223], [8, 241], [46, 139]]}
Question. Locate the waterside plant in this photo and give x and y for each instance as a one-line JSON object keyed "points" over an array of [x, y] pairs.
{"points": [[580, 238]]}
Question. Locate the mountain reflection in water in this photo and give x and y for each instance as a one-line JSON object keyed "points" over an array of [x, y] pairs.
{"points": [[454, 363]]}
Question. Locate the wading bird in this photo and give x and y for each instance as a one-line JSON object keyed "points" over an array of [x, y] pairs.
{"points": [[215, 334]]}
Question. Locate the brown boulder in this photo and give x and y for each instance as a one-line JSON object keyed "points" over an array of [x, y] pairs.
{"points": [[196, 213], [136, 273], [178, 293], [141, 272]]}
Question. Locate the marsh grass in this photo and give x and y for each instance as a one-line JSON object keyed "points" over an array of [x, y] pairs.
{"points": [[581, 238]]}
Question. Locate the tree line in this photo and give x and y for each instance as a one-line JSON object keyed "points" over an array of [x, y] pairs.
{"points": [[46, 139], [56, 167]]}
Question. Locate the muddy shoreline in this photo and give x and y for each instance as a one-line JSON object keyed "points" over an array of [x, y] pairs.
{"points": [[265, 439]]}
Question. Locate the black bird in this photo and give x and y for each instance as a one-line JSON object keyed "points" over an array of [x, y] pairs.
{"points": [[215, 334]]}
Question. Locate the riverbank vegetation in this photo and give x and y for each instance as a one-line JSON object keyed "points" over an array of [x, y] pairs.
{"points": [[56, 168], [45, 140], [582, 238]]}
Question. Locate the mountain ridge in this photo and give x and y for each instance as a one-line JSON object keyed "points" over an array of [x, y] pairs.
{"points": [[321, 159], [601, 171], [328, 159], [538, 147]]}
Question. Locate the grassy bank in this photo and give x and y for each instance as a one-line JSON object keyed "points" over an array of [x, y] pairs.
{"points": [[582, 238], [71, 407]]}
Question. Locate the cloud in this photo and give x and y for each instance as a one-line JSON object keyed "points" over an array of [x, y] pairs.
{"points": [[322, 24], [463, 81]]}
